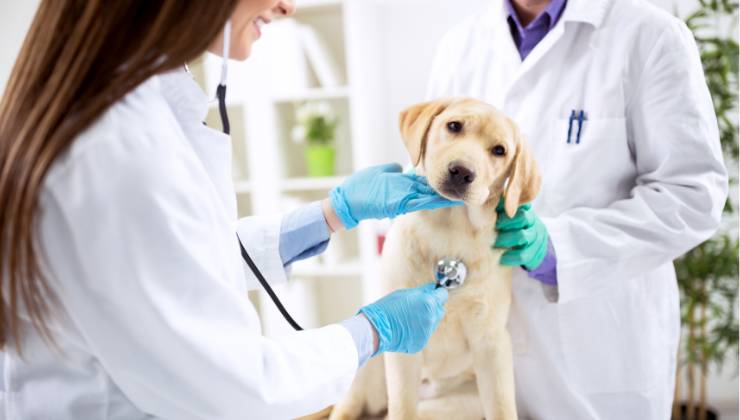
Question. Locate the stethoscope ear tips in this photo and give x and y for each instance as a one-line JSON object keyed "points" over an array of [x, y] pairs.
{"points": [[450, 273]]}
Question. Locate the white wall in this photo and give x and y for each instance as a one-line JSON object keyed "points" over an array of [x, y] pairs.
{"points": [[410, 36], [15, 18]]}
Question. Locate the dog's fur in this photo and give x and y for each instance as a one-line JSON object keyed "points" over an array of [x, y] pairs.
{"points": [[466, 371]]}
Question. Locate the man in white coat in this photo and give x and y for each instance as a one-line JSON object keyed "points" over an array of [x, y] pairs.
{"points": [[611, 97]]}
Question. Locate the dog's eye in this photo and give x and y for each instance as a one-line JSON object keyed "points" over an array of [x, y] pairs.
{"points": [[454, 126], [498, 150]]}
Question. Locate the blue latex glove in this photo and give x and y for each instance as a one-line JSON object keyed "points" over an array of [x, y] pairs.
{"points": [[383, 191], [524, 234], [406, 318]]}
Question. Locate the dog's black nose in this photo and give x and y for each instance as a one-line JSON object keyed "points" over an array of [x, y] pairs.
{"points": [[460, 175]]}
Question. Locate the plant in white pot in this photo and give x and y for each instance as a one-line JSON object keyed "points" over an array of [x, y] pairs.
{"points": [[316, 125]]}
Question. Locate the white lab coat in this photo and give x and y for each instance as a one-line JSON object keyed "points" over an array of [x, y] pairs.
{"points": [[138, 227], [646, 183]]}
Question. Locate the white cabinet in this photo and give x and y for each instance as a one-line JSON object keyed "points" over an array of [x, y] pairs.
{"points": [[269, 171]]}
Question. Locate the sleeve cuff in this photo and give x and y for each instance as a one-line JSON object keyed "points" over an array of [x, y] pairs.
{"points": [[546, 273], [361, 331], [260, 236], [304, 233]]}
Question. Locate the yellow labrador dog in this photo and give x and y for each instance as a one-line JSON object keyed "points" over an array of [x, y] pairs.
{"points": [[469, 151]]}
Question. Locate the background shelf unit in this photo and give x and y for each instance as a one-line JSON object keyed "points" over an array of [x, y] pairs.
{"points": [[352, 268], [304, 7], [244, 205], [242, 187], [314, 94], [310, 183], [270, 175]]}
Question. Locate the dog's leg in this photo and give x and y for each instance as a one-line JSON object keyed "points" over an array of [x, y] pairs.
{"points": [[494, 372], [367, 391], [350, 407], [461, 403], [403, 375]]}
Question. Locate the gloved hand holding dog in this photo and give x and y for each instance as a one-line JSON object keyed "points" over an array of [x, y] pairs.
{"points": [[382, 192], [524, 236]]}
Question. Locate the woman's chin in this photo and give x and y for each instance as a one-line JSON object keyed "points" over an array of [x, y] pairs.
{"points": [[241, 53]]}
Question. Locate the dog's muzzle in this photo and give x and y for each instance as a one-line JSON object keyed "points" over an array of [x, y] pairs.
{"points": [[459, 178]]}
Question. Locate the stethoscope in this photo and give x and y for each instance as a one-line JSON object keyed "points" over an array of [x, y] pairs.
{"points": [[226, 127], [450, 273]]}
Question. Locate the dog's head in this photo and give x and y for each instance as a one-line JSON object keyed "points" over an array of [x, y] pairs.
{"points": [[470, 151]]}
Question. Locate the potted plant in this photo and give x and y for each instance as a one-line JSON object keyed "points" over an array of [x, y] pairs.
{"points": [[708, 274], [316, 125]]}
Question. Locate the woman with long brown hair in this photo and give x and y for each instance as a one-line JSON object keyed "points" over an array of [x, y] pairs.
{"points": [[123, 290]]}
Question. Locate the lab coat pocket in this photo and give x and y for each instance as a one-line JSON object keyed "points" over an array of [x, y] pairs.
{"points": [[609, 342], [599, 156]]}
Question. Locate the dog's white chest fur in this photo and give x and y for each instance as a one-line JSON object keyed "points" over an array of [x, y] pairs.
{"points": [[414, 245]]}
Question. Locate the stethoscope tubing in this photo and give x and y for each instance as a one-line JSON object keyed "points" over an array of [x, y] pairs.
{"points": [[268, 289], [226, 127]]}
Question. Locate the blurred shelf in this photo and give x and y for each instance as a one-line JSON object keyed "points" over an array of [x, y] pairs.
{"points": [[310, 183], [312, 6], [314, 94], [242, 187], [310, 269], [270, 177]]}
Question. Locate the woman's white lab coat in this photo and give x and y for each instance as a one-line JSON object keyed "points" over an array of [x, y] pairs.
{"points": [[645, 184], [150, 313]]}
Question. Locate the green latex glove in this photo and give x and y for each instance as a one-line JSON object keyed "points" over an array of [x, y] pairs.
{"points": [[524, 235]]}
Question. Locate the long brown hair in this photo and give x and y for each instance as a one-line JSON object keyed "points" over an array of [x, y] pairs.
{"points": [[78, 58]]}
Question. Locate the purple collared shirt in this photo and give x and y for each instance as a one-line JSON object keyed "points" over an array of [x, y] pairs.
{"points": [[526, 38]]}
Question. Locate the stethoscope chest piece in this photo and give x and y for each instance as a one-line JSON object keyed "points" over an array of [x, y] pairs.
{"points": [[450, 273]]}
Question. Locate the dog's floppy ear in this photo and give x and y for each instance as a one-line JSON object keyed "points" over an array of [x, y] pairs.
{"points": [[524, 177], [415, 122]]}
